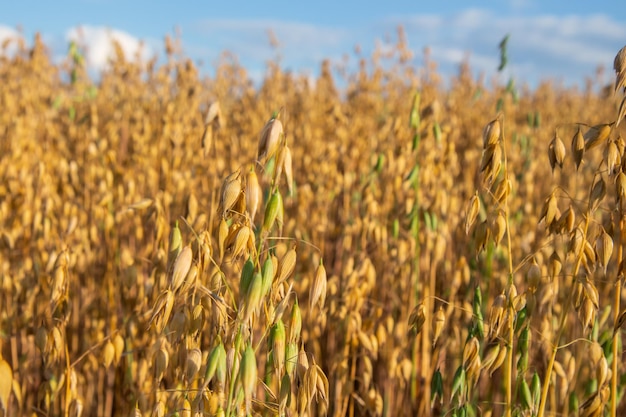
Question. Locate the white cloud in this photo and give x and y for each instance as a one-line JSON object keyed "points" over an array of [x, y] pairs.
{"points": [[565, 47], [99, 49], [540, 46], [11, 36]]}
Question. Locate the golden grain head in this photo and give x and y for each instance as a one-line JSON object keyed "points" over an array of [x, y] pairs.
{"points": [[181, 268], [253, 193], [491, 134], [269, 141], [231, 191], [471, 212], [578, 147], [556, 152]]}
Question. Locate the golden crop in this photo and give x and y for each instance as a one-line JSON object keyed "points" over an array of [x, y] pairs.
{"points": [[179, 245]]}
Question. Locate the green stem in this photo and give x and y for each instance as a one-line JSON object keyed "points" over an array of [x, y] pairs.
{"points": [[415, 284], [508, 370]]}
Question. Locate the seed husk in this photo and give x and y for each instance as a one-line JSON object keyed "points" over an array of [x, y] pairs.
{"points": [[439, 320], [269, 140], [556, 152], [253, 193], [471, 213], [597, 135], [274, 205], [278, 338], [578, 147], [231, 191], [295, 323], [286, 266], [491, 133], [248, 376], [317, 295], [6, 383], [181, 268], [108, 354]]}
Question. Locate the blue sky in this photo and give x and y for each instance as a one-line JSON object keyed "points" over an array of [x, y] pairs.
{"points": [[561, 40]]}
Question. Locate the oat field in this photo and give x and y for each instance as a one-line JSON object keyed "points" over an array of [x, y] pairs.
{"points": [[391, 244]]}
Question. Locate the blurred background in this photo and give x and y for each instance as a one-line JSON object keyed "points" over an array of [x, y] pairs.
{"points": [[566, 42]]}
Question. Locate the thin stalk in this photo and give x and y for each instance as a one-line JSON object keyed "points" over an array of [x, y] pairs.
{"points": [[508, 369], [415, 287], [562, 320], [68, 379], [414, 122], [428, 295], [616, 313]]}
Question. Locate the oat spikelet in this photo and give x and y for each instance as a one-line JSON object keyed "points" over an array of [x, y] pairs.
{"points": [[578, 147], [439, 320], [503, 189], [417, 319], [248, 376], [555, 265], [604, 249], [491, 133], [161, 361], [222, 236], [162, 310], [496, 316], [278, 345], [59, 279], [471, 213], [596, 135], [240, 241], [498, 227], [597, 192], [286, 266], [108, 353], [230, 192], [269, 140], [481, 236], [592, 407], [556, 152], [272, 209], [253, 297], [533, 275], [491, 163], [566, 222], [207, 139], [253, 193], [470, 351], [602, 372], [318, 288], [214, 114], [549, 210], [288, 169], [181, 268], [193, 363], [613, 158], [490, 355]]}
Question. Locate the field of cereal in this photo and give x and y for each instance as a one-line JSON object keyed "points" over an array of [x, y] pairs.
{"points": [[177, 245]]}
